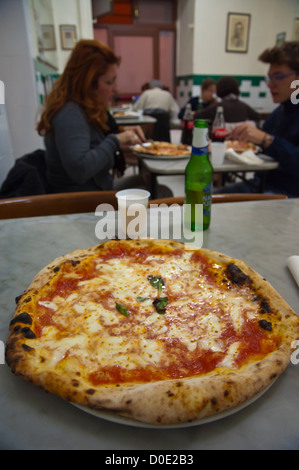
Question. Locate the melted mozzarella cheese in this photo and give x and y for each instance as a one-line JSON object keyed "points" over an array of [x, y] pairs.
{"points": [[230, 357], [100, 334]]}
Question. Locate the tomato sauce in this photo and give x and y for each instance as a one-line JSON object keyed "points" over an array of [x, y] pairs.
{"points": [[138, 254], [180, 363], [206, 266]]}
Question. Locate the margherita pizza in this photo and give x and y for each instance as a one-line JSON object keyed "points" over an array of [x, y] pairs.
{"points": [[166, 149], [152, 330]]}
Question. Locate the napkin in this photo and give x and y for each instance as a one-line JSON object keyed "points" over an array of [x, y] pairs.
{"points": [[248, 157], [293, 265]]}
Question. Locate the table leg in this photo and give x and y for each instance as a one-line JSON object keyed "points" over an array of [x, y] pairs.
{"points": [[262, 176], [153, 185]]}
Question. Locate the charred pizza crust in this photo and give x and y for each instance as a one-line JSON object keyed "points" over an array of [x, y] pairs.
{"points": [[159, 402]]}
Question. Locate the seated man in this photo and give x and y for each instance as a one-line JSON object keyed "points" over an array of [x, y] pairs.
{"points": [[158, 98], [207, 97], [280, 135], [234, 110]]}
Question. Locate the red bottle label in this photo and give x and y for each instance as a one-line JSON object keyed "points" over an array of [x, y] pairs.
{"points": [[188, 124], [220, 133]]}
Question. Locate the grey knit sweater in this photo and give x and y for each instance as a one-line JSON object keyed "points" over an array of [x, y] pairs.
{"points": [[79, 157]]}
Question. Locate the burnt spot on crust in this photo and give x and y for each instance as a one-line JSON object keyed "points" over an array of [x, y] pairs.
{"points": [[236, 276], [12, 362], [265, 307], [28, 333], [266, 325], [99, 247], [18, 298], [23, 317], [264, 304], [27, 348], [75, 383], [169, 393], [56, 269], [90, 391], [75, 262], [214, 401]]}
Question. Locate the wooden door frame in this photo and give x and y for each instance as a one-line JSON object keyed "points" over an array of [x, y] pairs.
{"points": [[142, 30]]}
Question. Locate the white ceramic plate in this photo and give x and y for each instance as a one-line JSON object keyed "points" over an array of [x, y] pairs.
{"points": [[129, 115], [158, 157]]}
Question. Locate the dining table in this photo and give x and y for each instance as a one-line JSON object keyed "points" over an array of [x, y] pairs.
{"points": [[135, 120], [261, 233], [173, 166], [138, 119]]}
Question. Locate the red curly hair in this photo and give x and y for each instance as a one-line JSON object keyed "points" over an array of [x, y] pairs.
{"points": [[78, 83]]}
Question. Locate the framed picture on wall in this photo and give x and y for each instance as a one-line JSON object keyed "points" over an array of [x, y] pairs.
{"points": [[295, 35], [237, 32], [48, 37], [68, 36]]}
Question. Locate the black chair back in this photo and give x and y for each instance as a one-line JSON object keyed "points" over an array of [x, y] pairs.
{"points": [[161, 131]]}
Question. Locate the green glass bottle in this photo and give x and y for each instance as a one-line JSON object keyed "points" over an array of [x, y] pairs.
{"points": [[199, 176]]}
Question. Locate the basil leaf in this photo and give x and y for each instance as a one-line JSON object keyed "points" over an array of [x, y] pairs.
{"points": [[142, 299], [157, 282], [160, 304], [123, 310]]}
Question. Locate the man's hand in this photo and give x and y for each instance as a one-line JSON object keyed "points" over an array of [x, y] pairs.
{"points": [[248, 133]]}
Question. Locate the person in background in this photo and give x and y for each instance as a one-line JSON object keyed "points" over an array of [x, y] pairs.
{"points": [[83, 142], [234, 109], [157, 98], [144, 87], [279, 137], [207, 97]]}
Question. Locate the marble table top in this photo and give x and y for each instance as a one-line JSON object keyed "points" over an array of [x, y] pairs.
{"points": [[264, 234], [172, 166]]}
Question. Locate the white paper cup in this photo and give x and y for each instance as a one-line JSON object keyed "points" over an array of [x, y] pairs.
{"points": [[293, 265], [132, 205], [218, 152], [176, 136]]}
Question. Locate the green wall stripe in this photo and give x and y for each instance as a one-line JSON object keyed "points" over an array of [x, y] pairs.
{"points": [[198, 79]]}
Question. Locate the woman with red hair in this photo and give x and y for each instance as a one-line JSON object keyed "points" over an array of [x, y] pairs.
{"points": [[83, 142]]}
